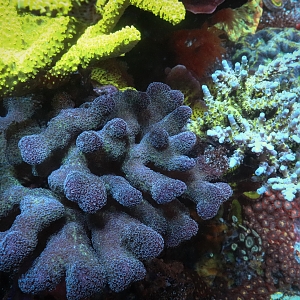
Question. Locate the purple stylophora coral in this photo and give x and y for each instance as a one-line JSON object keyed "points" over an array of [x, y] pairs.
{"points": [[201, 6], [116, 170]]}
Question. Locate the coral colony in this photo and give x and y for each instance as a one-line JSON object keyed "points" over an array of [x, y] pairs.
{"points": [[193, 185], [125, 162], [81, 33], [260, 114]]}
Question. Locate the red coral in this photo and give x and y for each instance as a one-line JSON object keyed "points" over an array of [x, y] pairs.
{"points": [[197, 49], [273, 218]]}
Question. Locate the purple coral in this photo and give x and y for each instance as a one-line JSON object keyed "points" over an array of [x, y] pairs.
{"points": [[208, 197], [121, 190], [64, 127], [87, 190], [78, 184], [18, 109], [67, 254], [116, 168], [111, 139], [34, 149], [38, 210], [121, 244]]}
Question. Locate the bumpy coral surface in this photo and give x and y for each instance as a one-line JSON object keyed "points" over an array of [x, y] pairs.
{"points": [[104, 183], [267, 45], [41, 42], [277, 223], [259, 115], [280, 14]]}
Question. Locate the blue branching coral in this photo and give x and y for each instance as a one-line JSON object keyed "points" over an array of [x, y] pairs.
{"points": [[110, 176], [259, 115]]}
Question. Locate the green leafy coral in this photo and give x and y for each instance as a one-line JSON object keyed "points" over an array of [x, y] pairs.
{"points": [[46, 40]]}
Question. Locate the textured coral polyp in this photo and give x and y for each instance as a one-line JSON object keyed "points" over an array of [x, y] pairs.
{"points": [[135, 238], [117, 168], [274, 219], [74, 258], [37, 212]]}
